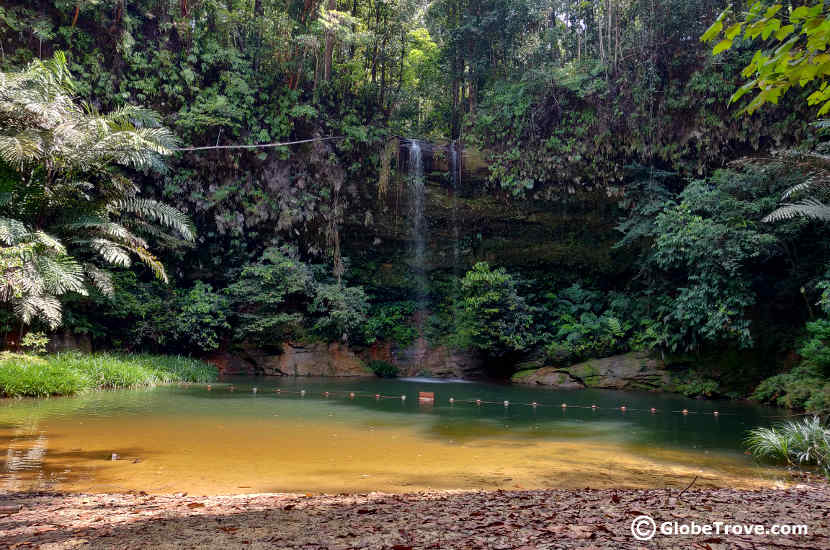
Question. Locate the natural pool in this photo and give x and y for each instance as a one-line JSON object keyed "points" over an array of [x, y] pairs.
{"points": [[189, 439]]}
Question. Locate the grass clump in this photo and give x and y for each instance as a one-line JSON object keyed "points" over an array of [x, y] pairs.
{"points": [[795, 442], [71, 373]]}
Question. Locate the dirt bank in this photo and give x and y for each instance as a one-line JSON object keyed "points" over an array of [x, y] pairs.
{"points": [[447, 520]]}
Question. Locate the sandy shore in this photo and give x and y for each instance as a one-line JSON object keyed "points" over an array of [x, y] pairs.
{"points": [[524, 520]]}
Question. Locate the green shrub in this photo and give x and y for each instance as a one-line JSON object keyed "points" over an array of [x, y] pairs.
{"points": [[392, 322], [72, 373], [693, 384], [281, 298], [201, 317], [804, 387], [383, 368], [35, 342], [586, 324], [795, 442], [815, 351], [808, 385], [494, 317]]}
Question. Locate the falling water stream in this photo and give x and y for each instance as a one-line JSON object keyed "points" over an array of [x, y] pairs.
{"points": [[455, 176], [419, 238]]}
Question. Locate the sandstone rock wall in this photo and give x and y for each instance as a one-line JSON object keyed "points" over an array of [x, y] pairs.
{"points": [[334, 359], [629, 371]]}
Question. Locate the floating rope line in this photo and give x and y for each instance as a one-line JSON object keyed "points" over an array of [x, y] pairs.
{"points": [[354, 394]]}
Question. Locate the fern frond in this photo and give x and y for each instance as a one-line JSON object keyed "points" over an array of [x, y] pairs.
{"points": [[100, 279], [59, 274], [46, 308], [798, 188], [152, 262], [21, 149], [49, 242], [12, 231], [111, 252], [106, 229], [138, 117], [160, 212], [807, 208]]}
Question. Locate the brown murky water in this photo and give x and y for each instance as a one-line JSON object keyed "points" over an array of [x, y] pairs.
{"points": [[190, 440]]}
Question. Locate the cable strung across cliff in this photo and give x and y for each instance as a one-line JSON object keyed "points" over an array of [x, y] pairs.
{"points": [[258, 146]]}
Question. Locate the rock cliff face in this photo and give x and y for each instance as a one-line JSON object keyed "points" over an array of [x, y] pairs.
{"points": [[630, 371], [321, 359], [423, 359], [296, 359], [465, 220], [68, 341]]}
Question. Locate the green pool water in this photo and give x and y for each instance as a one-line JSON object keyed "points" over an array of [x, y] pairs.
{"points": [[228, 439]]}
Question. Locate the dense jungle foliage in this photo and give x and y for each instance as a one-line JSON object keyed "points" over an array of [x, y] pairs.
{"points": [[625, 204]]}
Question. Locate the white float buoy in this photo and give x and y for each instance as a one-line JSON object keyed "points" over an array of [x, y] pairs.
{"points": [[622, 408], [716, 413], [507, 403], [478, 402], [452, 400], [302, 393], [403, 398], [564, 405], [253, 390]]}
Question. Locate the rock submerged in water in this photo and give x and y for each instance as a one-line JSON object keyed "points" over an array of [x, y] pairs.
{"points": [[629, 371]]}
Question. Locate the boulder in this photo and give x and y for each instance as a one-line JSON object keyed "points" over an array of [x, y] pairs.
{"points": [[69, 341], [228, 363], [313, 359], [423, 359], [629, 371]]}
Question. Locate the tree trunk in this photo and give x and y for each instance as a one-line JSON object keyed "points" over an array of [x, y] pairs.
{"points": [[329, 46]]}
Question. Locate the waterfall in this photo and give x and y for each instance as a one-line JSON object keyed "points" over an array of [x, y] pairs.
{"points": [[419, 239], [455, 176]]}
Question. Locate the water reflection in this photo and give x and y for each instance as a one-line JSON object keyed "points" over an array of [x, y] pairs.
{"points": [[185, 438]]}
